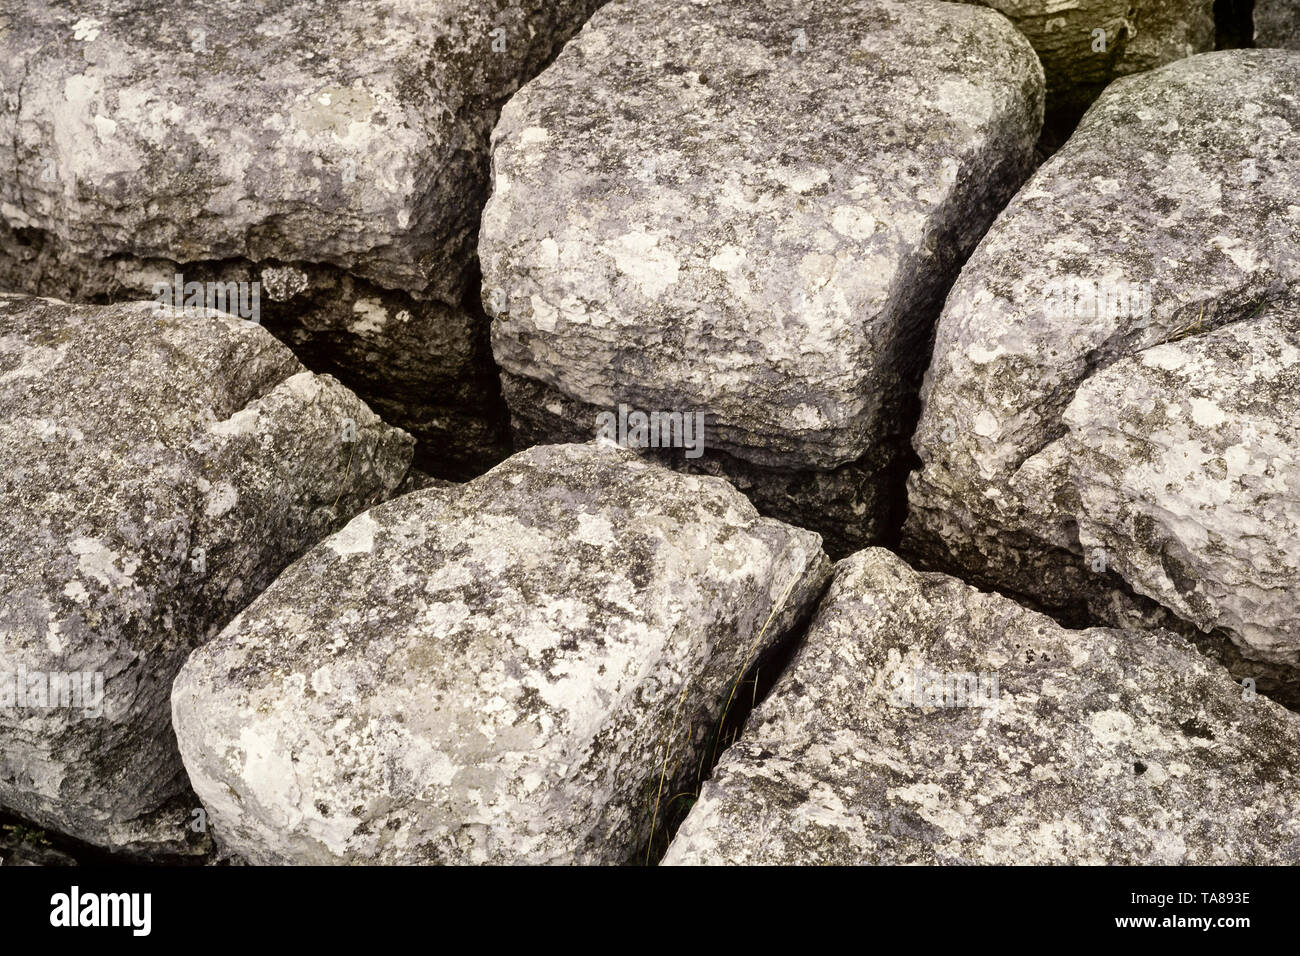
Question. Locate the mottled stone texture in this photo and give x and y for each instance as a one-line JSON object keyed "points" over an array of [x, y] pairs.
{"points": [[1135, 36], [160, 469], [1096, 747], [1186, 458], [1056, 463], [504, 674], [1277, 24], [347, 141], [752, 211]]}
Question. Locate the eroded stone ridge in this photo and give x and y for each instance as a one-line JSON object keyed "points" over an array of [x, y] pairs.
{"points": [[516, 670], [160, 469], [752, 211], [924, 722]]}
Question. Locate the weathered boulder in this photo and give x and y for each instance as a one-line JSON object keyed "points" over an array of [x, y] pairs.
{"points": [[161, 469], [925, 722], [515, 673], [1169, 214], [342, 150], [1084, 44], [752, 214]]}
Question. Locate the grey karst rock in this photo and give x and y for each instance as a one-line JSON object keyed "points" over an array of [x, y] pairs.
{"points": [[506, 675], [161, 468], [347, 143], [1084, 44], [752, 212], [924, 722], [1277, 24], [1186, 462], [1170, 213], [1161, 31]]}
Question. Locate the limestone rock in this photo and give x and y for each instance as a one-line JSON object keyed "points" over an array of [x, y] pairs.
{"points": [[505, 675], [923, 722], [752, 213], [345, 142], [1170, 214], [352, 136], [161, 469]]}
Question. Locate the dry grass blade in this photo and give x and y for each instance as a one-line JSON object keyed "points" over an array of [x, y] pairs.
{"points": [[780, 603], [718, 728], [654, 818]]}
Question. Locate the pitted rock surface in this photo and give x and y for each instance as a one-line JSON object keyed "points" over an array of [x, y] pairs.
{"points": [[1085, 747], [1186, 460], [1155, 225], [351, 135]]}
